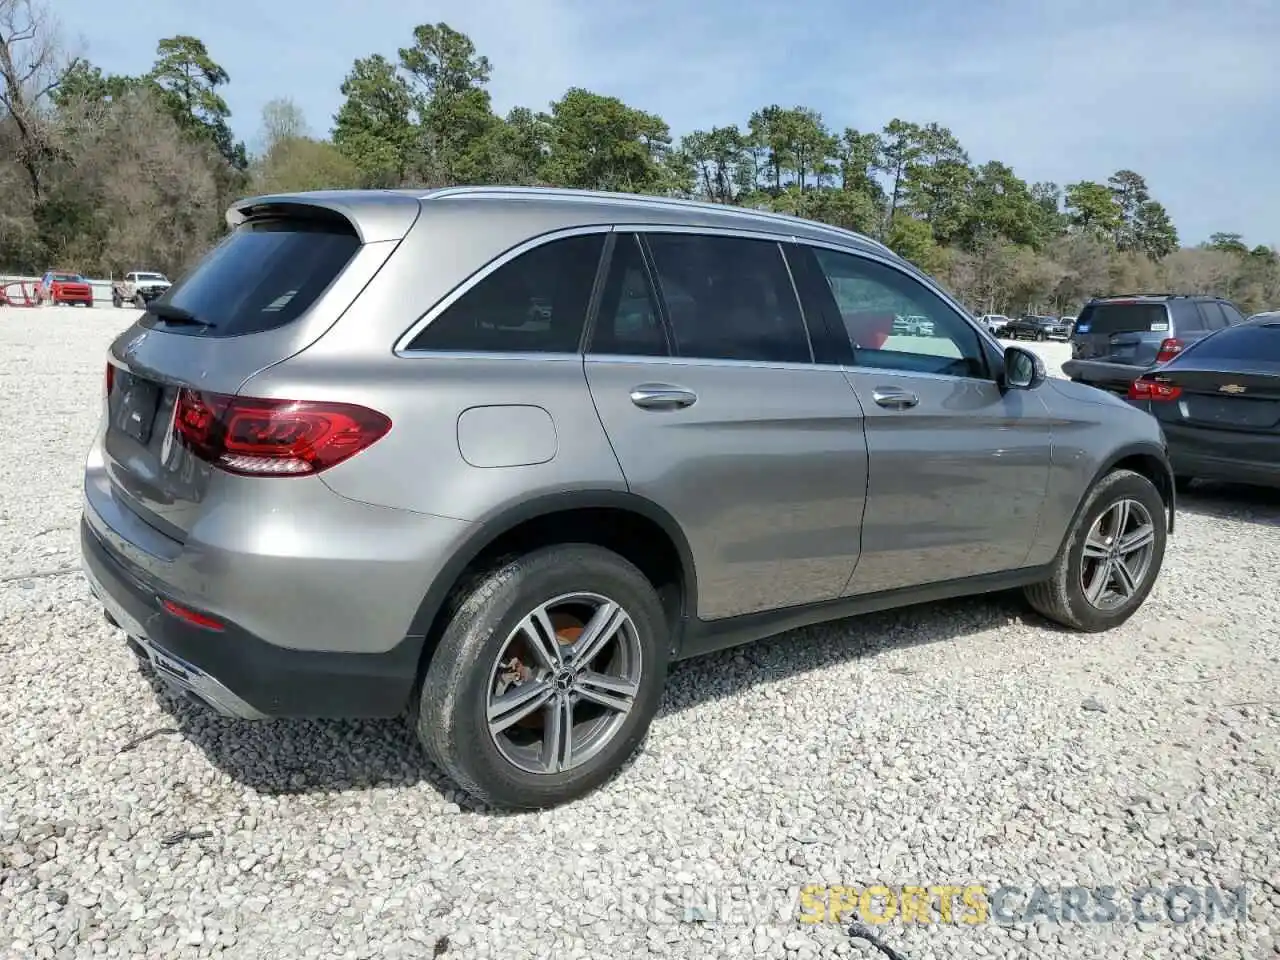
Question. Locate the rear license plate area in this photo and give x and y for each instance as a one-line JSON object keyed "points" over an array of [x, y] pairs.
{"points": [[1234, 411], [134, 412]]}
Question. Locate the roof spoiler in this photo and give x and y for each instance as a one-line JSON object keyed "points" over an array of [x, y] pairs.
{"points": [[375, 215]]}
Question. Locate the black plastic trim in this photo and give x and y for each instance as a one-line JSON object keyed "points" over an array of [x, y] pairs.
{"points": [[277, 681], [707, 636], [831, 343]]}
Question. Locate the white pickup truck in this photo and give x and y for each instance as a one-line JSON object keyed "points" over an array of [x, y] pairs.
{"points": [[138, 287]]}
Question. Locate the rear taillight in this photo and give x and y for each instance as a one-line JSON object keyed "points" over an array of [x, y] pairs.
{"points": [[273, 438], [1169, 348], [1154, 390]]}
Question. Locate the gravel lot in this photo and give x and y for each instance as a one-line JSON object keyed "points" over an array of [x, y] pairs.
{"points": [[967, 742]]}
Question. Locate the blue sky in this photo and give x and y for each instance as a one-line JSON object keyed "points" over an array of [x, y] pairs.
{"points": [[1183, 91]]}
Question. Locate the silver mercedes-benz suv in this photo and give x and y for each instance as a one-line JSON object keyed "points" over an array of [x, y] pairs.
{"points": [[494, 458]]}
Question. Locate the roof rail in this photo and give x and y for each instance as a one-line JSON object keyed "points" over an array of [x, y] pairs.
{"points": [[1151, 296], [674, 203]]}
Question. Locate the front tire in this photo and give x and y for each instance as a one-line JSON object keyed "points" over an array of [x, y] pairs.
{"points": [[546, 677], [1111, 557]]}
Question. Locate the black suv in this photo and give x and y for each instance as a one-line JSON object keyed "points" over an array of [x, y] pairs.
{"points": [[1032, 327], [1117, 337]]}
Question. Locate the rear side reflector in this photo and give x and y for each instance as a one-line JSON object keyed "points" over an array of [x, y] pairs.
{"points": [[193, 617], [274, 438], [111, 377], [1154, 390], [1169, 349]]}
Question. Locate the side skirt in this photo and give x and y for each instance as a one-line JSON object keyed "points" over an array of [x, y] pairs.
{"points": [[707, 636]]}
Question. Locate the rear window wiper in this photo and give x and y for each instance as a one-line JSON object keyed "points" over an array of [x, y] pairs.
{"points": [[176, 315]]}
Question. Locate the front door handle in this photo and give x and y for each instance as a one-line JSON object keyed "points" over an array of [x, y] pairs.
{"points": [[662, 396], [894, 399]]}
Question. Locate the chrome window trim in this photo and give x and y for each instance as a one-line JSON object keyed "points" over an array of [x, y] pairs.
{"points": [[767, 364], [738, 233], [402, 348], [708, 361]]}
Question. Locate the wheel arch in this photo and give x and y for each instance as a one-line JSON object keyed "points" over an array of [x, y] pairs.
{"points": [[633, 526], [1145, 458]]}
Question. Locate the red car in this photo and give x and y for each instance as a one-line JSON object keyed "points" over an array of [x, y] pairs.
{"points": [[65, 288]]}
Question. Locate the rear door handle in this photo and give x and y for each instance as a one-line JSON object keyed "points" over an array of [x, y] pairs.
{"points": [[662, 396], [894, 399]]}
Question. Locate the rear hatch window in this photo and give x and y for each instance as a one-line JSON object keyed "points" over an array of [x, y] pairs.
{"points": [[1260, 343], [1110, 318], [263, 276]]}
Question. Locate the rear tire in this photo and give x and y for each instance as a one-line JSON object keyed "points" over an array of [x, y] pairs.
{"points": [[1041, 337], [1063, 598], [487, 654]]}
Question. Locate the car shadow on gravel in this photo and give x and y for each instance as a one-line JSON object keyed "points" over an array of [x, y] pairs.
{"points": [[1232, 501], [284, 757], [825, 645]]}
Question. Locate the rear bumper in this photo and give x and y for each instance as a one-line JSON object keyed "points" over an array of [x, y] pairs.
{"points": [[236, 673], [1227, 457], [71, 296]]}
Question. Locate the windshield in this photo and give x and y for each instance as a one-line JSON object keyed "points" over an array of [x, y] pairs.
{"points": [[67, 277], [151, 276]]}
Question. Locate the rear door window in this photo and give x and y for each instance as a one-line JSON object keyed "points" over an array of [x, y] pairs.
{"points": [[1233, 315], [729, 298], [263, 276], [1186, 317], [1106, 319], [1214, 318], [536, 303]]}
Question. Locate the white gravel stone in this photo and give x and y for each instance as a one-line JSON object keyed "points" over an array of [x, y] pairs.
{"points": [[936, 745]]}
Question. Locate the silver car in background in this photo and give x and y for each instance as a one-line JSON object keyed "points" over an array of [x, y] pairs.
{"points": [[495, 458]]}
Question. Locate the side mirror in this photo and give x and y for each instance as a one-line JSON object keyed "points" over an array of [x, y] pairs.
{"points": [[1023, 369]]}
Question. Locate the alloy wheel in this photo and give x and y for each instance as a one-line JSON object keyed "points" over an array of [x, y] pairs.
{"points": [[563, 683], [1117, 554]]}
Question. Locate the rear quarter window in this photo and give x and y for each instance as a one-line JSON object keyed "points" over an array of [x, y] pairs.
{"points": [[263, 276], [534, 303], [1109, 318]]}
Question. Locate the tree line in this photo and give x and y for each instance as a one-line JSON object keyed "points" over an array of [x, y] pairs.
{"points": [[103, 173]]}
